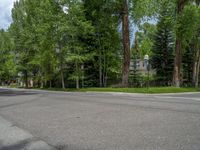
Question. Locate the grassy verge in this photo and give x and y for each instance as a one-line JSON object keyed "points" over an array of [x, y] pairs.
{"points": [[152, 90]]}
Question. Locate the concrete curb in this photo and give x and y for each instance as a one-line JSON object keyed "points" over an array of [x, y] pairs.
{"points": [[115, 93]]}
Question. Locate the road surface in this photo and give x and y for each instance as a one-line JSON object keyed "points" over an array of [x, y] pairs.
{"points": [[31, 119]]}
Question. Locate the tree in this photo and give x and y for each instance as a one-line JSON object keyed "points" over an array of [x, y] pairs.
{"points": [[186, 28], [7, 63], [135, 76], [145, 38], [126, 43], [162, 51], [105, 42], [77, 29], [139, 10], [196, 62], [57, 42], [180, 45], [192, 14], [21, 36]]}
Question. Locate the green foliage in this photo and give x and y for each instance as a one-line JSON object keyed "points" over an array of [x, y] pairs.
{"points": [[54, 41], [105, 43], [145, 38], [162, 51], [7, 65], [188, 23]]}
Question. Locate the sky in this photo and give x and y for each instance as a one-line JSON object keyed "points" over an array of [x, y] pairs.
{"points": [[5, 13]]}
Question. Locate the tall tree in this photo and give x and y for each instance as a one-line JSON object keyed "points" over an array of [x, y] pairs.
{"points": [[21, 36], [162, 51], [178, 47], [105, 42], [62, 41], [7, 57], [196, 61], [185, 27], [77, 29], [139, 10], [126, 43]]}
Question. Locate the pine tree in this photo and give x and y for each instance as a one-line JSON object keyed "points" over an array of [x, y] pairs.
{"points": [[162, 52], [187, 63]]}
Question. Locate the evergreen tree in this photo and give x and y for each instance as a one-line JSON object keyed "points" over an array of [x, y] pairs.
{"points": [[57, 42], [162, 52], [188, 57]]}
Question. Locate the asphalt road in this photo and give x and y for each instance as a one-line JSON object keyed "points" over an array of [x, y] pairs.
{"points": [[99, 121]]}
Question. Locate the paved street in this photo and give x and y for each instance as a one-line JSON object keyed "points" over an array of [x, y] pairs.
{"points": [[31, 119]]}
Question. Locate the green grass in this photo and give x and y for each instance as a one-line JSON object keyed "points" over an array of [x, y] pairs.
{"points": [[152, 90]]}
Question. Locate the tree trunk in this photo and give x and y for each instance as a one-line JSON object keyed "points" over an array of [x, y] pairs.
{"points": [[45, 83], [196, 65], [195, 77], [62, 78], [100, 59], [82, 75], [178, 49], [61, 72], [177, 64], [104, 69], [197, 73], [105, 79], [100, 69], [50, 84], [61, 66], [126, 43], [42, 84], [77, 83], [26, 78], [77, 76]]}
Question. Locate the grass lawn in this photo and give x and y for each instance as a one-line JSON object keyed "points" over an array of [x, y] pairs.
{"points": [[151, 90]]}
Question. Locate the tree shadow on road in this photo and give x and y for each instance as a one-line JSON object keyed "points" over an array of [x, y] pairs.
{"points": [[15, 93], [18, 146]]}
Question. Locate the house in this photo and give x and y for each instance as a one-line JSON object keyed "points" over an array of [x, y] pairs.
{"points": [[141, 66]]}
